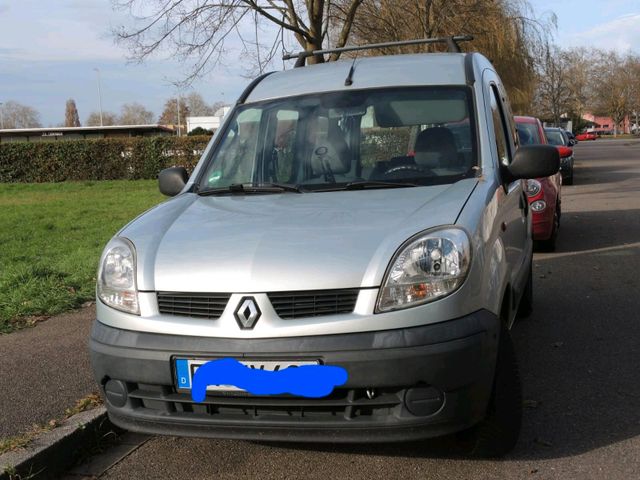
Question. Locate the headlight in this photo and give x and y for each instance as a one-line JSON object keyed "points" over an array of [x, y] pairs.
{"points": [[533, 187], [429, 266], [117, 276]]}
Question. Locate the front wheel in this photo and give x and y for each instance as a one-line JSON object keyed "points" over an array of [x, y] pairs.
{"points": [[497, 434], [569, 179]]}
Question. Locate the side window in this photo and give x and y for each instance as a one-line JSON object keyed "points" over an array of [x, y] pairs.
{"points": [[499, 128]]}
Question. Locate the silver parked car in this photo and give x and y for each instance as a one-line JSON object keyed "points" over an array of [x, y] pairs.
{"points": [[366, 214]]}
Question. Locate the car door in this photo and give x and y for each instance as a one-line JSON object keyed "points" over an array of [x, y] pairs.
{"points": [[513, 213]]}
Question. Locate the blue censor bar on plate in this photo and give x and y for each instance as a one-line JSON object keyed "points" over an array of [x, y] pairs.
{"points": [[313, 381]]}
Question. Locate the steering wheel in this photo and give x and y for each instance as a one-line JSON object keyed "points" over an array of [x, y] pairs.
{"points": [[408, 168]]}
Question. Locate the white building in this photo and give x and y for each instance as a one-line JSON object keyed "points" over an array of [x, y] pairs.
{"points": [[208, 123]]}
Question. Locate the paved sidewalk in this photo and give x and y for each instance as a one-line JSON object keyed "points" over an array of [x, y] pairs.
{"points": [[44, 370]]}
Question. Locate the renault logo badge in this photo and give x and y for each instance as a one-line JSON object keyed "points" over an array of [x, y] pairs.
{"points": [[247, 313]]}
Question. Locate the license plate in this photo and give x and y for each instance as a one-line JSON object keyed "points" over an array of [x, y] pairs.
{"points": [[185, 369]]}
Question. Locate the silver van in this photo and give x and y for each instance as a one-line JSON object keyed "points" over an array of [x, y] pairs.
{"points": [[367, 214]]}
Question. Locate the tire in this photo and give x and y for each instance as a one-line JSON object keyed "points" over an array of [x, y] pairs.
{"points": [[526, 302], [569, 180], [497, 433]]}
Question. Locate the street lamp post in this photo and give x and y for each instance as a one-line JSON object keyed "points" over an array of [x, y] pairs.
{"points": [[178, 105], [1, 117], [99, 94]]}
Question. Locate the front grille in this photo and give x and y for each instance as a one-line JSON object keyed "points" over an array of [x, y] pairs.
{"points": [[342, 406], [201, 305], [313, 303]]}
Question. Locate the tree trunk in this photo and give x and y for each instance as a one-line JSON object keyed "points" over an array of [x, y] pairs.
{"points": [[314, 59]]}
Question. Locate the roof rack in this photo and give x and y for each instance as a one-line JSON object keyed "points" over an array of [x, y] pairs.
{"points": [[451, 42]]}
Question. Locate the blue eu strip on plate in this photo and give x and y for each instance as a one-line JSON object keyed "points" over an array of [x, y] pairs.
{"points": [[183, 374]]}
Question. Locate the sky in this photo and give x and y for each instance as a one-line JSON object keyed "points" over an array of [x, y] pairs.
{"points": [[49, 51]]}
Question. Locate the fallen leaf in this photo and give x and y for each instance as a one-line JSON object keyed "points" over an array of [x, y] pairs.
{"points": [[544, 443]]}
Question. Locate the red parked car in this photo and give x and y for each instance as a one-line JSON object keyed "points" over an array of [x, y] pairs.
{"points": [[544, 193], [586, 136]]}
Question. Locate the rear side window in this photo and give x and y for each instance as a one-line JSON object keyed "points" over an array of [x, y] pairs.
{"points": [[528, 134], [500, 129]]}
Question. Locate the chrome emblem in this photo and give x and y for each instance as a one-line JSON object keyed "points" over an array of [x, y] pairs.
{"points": [[247, 313]]}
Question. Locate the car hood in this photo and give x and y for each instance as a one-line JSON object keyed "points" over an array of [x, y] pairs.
{"points": [[287, 241]]}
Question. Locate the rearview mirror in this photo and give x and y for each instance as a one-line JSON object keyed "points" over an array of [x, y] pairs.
{"points": [[533, 161], [172, 180]]}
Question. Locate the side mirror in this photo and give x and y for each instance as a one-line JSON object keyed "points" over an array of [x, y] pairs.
{"points": [[572, 142], [533, 161], [172, 180]]}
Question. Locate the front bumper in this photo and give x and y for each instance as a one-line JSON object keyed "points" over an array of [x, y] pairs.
{"points": [[426, 381], [542, 225]]}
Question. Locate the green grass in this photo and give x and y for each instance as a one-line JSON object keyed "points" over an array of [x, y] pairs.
{"points": [[51, 237]]}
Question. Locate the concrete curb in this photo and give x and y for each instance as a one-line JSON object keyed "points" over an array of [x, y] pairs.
{"points": [[53, 452]]}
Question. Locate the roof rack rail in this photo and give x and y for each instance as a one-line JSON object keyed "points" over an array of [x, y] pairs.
{"points": [[451, 42]]}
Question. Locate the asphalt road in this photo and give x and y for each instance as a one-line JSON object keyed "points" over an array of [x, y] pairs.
{"points": [[44, 370], [579, 355]]}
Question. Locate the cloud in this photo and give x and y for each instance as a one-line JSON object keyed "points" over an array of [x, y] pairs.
{"points": [[71, 31], [621, 34]]}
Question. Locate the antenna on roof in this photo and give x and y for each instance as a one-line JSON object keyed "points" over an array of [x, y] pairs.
{"points": [[451, 42]]}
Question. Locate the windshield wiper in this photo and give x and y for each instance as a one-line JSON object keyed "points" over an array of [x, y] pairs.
{"points": [[365, 184], [287, 187], [377, 184], [248, 188]]}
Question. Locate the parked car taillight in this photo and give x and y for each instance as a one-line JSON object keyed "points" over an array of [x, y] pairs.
{"points": [[534, 187]]}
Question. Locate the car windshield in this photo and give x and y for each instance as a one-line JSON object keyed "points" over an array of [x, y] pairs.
{"points": [[555, 137], [528, 133], [332, 141]]}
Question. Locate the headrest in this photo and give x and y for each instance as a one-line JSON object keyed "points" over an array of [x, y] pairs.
{"points": [[333, 151], [436, 148]]}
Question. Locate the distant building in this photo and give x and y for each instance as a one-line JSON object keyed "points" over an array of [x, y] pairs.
{"points": [[212, 122], [79, 133], [606, 124]]}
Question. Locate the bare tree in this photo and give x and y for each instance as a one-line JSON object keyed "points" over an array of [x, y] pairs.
{"points": [[170, 116], [135, 114], [506, 31], [578, 74], [108, 118], [17, 115], [632, 71], [197, 106], [196, 30], [71, 117], [554, 94], [611, 87], [217, 106]]}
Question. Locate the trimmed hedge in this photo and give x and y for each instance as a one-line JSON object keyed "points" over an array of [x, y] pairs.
{"points": [[127, 158]]}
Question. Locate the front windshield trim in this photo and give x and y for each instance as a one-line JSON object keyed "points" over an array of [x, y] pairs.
{"points": [[474, 171]]}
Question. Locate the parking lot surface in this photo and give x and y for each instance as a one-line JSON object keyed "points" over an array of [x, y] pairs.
{"points": [[579, 356]]}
